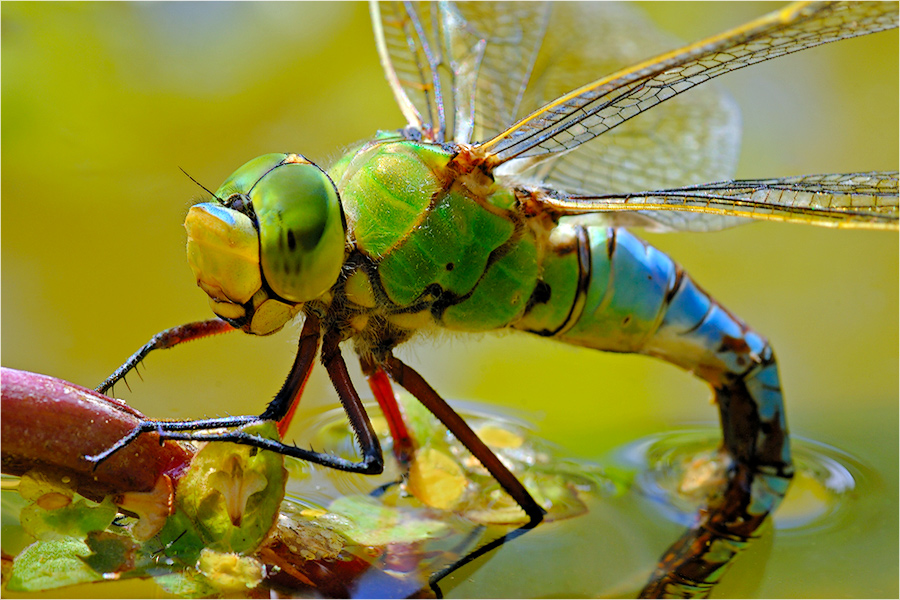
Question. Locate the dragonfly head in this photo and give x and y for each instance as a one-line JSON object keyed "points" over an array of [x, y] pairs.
{"points": [[273, 238]]}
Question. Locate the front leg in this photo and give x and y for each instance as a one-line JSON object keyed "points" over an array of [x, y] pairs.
{"points": [[280, 409], [166, 339]]}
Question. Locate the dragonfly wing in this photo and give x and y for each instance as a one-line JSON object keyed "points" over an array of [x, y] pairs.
{"points": [[460, 68], [400, 63], [512, 33], [591, 110], [407, 48], [848, 200], [693, 138]]}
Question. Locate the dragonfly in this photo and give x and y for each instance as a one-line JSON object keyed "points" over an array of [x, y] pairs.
{"points": [[502, 204]]}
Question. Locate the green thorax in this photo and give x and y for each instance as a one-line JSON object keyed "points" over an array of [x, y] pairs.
{"points": [[438, 246]]}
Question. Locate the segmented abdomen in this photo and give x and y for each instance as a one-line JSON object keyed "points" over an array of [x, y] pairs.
{"points": [[606, 289]]}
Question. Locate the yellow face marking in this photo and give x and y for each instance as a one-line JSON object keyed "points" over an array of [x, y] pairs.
{"points": [[271, 316], [226, 310], [223, 252]]}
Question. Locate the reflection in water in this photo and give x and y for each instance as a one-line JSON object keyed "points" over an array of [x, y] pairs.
{"points": [[409, 528], [674, 470]]}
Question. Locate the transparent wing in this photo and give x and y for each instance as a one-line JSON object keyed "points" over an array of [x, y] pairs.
{"points": [[512, 33], [459, 68], [597, 107], [692, 138], [849, 200]]}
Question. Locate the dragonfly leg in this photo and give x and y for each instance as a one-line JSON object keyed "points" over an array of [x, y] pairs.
{"points": [[285, 403], [372, 459], [280, 409], [403, 446], [166, 339], [186, 431], [416, 385], [165, 428]]}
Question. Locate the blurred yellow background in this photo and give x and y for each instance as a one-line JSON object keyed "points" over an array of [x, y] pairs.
{"points": [[103, 102]]}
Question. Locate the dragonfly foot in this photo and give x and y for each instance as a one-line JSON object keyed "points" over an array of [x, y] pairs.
{"points": [[97, 459]]}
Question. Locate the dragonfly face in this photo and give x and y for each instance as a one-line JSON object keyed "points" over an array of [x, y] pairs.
{"points": [[273, 239]]}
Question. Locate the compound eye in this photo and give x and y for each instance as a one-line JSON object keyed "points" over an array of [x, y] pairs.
{"points": [[301, 229]]}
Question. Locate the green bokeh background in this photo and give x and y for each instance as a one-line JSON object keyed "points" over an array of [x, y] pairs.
{"points": [[102, 103]]}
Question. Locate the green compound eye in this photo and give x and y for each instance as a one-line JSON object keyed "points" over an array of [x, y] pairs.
{"points": [[301, 226]]}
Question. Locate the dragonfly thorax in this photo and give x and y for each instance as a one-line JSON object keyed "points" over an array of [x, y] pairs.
{"points": [[436, 243]]}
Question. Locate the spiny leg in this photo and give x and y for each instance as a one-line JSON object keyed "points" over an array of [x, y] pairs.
{"points": [[166, 339], [284, 405], [165, 430], [418, 387], [372, 459], [279, 409], [403, 446]]}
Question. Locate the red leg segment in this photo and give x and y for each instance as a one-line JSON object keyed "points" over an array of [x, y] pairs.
{"points": [[404, 447]]}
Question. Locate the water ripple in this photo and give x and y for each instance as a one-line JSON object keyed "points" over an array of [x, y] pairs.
{"points": [[674, 470]]}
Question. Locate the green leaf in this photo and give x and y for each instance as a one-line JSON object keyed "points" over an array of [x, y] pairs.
{"points": [[180, 538], [51, 564], [187, 584], [111, 553], [232, 492], [369, 523], [75, 520], [423, 426]]}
